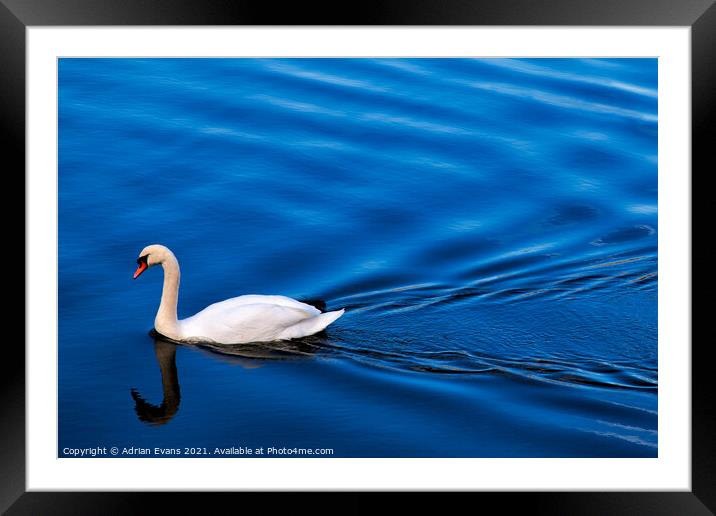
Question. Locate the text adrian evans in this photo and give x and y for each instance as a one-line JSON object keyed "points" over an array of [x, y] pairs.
{"points": [[233, 451]]}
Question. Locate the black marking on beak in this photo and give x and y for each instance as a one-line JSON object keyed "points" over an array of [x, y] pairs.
{"points": [[142, 266]]}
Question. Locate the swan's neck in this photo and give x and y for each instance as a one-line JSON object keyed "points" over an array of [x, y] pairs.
{"points": [[166, 321]]}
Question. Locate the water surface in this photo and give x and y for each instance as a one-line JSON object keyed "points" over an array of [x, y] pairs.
{"points": [[489, 225]]}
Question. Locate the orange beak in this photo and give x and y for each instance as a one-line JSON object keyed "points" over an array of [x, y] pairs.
{"points": [[142, 267]]}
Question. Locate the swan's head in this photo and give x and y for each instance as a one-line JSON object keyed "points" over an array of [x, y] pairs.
{"points": [[152, 255]]}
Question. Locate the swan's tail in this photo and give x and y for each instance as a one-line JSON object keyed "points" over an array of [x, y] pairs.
{"points": [[311, 325]]}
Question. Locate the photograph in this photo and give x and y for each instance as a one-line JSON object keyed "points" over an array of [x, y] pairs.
{"points": [[357, 257]]}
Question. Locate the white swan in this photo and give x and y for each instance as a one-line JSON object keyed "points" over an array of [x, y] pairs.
{"points": [[238, 320]]}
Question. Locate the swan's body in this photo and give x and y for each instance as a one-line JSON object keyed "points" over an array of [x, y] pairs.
{"points": [[238, 320]]}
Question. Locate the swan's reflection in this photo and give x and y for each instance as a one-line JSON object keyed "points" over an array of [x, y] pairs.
{"points": [[248, 356], [162, 414]]}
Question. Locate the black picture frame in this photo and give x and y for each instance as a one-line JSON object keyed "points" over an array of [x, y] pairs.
{"points": [[17, 15]]}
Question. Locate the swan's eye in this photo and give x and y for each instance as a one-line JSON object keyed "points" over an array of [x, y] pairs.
{"points": [[142, 260]]}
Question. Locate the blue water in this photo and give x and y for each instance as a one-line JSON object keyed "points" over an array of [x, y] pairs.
{"points": [[489, 225]]}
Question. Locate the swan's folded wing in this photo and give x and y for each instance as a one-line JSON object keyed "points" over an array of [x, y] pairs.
{"points": [[243, 323], [287, 302], [257, 299], [311, 325]]}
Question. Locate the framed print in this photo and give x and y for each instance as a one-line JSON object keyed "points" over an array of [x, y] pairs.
{"points": [[418, 249]]}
